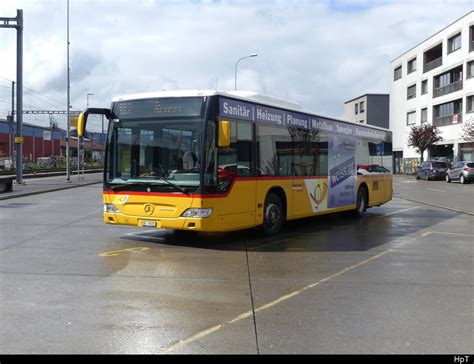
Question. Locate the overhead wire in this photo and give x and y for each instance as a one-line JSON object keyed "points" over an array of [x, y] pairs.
{"points": [[29, 90]]}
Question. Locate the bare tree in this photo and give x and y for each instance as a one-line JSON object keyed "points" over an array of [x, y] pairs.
{"points": [[468, 130], [423, 137]]}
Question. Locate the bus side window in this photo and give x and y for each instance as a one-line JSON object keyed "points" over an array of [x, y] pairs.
{"points": [[275, 151]]}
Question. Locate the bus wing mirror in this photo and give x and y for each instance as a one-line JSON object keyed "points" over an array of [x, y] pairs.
{"points": [[82, 119], [81, 123], [224, 134]]}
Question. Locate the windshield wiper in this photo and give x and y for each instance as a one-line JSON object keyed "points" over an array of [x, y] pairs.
{"points": [[124, 186], [175, 186]]}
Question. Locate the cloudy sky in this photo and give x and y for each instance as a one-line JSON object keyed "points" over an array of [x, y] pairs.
{"points": [[318, 53]]}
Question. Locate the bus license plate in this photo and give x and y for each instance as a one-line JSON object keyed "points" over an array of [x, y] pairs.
{"points": [[149, 223]]}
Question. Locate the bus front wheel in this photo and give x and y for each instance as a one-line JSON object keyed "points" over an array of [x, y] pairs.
{"points": [[273, 218], [362, 200]]}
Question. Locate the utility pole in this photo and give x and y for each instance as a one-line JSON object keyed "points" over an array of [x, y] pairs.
{"points": [[7, 23], [10, 125], [68, 135]]}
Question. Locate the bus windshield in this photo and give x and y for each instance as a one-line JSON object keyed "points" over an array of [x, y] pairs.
{"points": [[159, 147]]}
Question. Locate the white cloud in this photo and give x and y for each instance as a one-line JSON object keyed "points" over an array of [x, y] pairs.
{"points": [[317, 53]]}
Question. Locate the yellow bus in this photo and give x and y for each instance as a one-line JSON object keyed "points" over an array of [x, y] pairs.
{"points": [[221, 161]]}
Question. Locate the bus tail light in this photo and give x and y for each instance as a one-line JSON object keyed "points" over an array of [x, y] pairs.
{"points": [[197, 213]]}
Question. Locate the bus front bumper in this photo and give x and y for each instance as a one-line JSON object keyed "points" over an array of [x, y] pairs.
{"points": [[180, 223]]}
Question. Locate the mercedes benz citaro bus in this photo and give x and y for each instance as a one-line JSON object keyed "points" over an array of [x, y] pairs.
{"points": [[221, 161]]}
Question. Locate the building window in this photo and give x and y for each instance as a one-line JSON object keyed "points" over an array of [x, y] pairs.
{"points": [[411, 66], [424, 87], [471, 38], [411, 118], [448, 78], [362, 106], [470, 103], [397, 73], [447, 113], [433, 58], [356, 108], [447, 82], [411, 92], [454, 43], [470, 69], [424, 115]]}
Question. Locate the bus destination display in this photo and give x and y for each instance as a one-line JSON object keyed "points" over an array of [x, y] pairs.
{"points": [[159, 108]]}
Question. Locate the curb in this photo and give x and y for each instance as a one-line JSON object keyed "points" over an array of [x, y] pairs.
{"points": [[52, 174], [46, 191]]}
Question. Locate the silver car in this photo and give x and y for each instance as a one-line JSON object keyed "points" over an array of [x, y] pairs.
{"points": [[462, 171]]}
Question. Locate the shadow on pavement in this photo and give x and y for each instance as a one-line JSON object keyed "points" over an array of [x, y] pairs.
{"points": [[337, 232]]}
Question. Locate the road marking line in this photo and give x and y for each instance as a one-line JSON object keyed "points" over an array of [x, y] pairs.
{"points": [[240, 317], [281, 299], [114, 253], [427, 233], [432, 189], [456, 234], [399, 211]]}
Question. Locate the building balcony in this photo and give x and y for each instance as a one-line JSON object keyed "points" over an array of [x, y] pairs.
{"points": [[433, 64], [448, 120], [452, 87]]}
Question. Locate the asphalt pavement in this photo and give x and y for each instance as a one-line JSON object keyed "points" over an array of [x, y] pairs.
{"points": [[399, 281], [454, 195]]}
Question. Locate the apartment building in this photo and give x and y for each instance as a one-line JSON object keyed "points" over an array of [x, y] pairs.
{"points": [[434, 83], [371, 109]]}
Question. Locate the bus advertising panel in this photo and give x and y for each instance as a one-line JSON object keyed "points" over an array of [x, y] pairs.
{"points": [[342, 170], [342, 139]]}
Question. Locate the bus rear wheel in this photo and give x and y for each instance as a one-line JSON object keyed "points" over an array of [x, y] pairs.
{"points": [[273, 215], [362, 200]]}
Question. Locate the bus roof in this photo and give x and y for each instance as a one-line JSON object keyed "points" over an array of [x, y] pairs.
{"points": [[248, 96]]}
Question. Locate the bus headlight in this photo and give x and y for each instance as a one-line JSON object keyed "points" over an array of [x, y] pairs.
{"points": [[197, 213], [109, 207]]}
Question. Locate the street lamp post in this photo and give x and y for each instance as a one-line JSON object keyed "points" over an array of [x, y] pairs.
{"points": [[235, 73]]}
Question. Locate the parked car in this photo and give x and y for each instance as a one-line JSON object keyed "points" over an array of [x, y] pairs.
{"points": [[462, 171], [232, 170], [371, 169], [432, 170]]}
